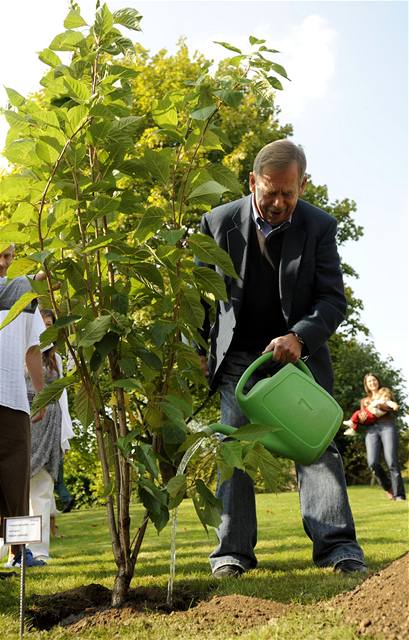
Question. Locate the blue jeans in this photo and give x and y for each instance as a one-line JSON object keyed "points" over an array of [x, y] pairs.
{"points": [[383, 434], [325, 509]]}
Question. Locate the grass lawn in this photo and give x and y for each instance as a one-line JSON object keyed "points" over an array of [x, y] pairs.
{"points": [[284, 574]]}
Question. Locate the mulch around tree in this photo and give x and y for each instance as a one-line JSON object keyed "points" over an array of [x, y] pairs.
{"points": [[378, 606]]}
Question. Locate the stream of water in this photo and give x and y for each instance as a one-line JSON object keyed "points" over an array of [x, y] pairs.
{"points": [[174, 518]]}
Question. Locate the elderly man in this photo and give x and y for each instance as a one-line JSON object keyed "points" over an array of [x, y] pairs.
{"points": [[19, 346], [289, 299]]}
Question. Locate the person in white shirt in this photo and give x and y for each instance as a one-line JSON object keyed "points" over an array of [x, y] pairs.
{"points": [[19, 347]]}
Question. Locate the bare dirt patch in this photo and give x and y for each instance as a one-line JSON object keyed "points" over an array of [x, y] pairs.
{"points": [[378, 606]]}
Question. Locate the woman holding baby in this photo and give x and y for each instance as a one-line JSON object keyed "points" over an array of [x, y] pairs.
{"points": [[382, 433]]}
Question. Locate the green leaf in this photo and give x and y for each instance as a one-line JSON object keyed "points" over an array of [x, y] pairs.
{"points": [[208, 507], [24, 213], [176, 489], [174, 414], [266, 463], [279, 69], [154, 502], [18, 307], [204, 113], [104, 21], [207, 251], [252, 432], [83, 407], [21, 267], [211, 187], [14, 187], [165, 114], [78, 91], [172, 236], [191, 309], [144, 454], [228, 46], [208, 281], [129, 18], [15, 98], [275, 83], [49, 57], [77, 116], [22, 151], [149, 224], [253, 40], [94, 331], [231, 453], [230, 97], [74, 20], [46, 153], [67, 41], [159, 163], [225, 176], [51, 393], [147, 273]]}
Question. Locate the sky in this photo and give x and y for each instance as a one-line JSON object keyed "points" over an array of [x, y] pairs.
{"points": [[347, 102]]}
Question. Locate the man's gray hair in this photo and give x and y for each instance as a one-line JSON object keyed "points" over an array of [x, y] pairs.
{"points": [[279, 155]]}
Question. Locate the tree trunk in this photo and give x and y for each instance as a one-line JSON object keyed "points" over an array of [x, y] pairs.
{"points": [[121, 587]]}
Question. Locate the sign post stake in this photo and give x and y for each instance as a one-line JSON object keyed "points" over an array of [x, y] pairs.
{"points": [[22, 530], [22, 589]]}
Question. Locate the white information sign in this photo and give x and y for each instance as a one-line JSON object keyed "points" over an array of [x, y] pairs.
{"points": [[22, 530]]}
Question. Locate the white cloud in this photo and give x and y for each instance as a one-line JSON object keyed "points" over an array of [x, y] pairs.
{"points": [[308, 56]]}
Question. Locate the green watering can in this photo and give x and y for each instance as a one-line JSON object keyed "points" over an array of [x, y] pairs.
{"points": [[303, 417]]}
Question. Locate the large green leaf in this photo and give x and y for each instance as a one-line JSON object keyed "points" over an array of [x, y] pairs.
{"points": [[18, 307], [103, 21], [15, 98], [208, 507], [49, 57], [207, 251], [204, 113], [129, 18], [155, 502], [208, 281], [224, 176], [83, 407], [144, 454], [74, 19], [159, 163], [191, 309], [51, 393], [21, 267], [22, 152], [165, 114], [253, 432], [14, 187], [151, 221], [77, 90], [211, 187], [94, 331], [66, 41], [176, 488], [231, 453]]}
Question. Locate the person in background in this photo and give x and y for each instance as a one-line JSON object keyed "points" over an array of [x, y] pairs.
{"points": [[287, 299], [382, 434], [49, 441], [19, 345], [369, 415]]}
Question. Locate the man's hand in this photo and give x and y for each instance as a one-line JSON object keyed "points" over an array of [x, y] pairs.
{"points": [[285, 348]]}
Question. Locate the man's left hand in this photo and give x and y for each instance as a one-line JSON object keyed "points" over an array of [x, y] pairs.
{"points": [[285, 348]]}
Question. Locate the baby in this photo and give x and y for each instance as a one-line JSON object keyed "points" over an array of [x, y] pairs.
{"points": [[372, 411]]}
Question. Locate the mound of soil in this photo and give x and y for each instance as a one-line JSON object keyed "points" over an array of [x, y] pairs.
{"points": [[380, 604], [377, 606]]}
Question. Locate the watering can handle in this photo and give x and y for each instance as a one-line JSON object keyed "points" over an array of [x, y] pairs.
{"points": [[257, 363]]}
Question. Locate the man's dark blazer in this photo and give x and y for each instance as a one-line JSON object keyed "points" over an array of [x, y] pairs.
{"points": [[310, 281]]}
